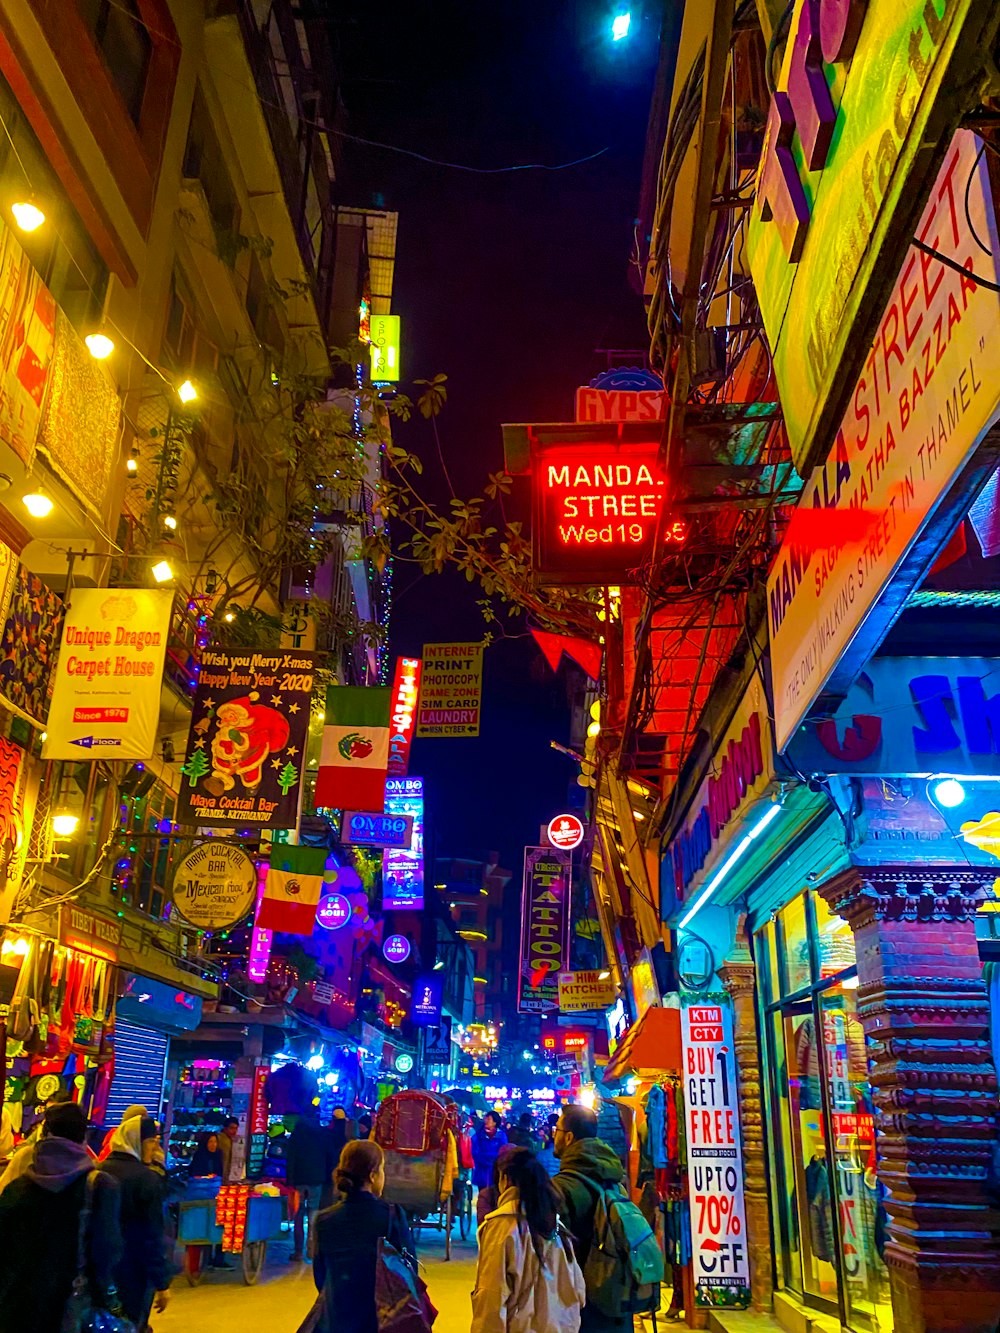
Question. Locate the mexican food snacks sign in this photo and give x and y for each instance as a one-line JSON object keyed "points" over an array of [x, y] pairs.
{"points": [[719, 1257], [243, 765], [108, 679], [595, 510], [545, 909], [925, 397]]}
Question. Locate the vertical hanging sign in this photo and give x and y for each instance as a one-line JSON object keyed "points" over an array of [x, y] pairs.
{"points": [[715, 1154], [544, 928], [403, 713]]}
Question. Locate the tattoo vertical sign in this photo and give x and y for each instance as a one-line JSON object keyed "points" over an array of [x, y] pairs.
{"points": [[545, 910], [245, 752]]}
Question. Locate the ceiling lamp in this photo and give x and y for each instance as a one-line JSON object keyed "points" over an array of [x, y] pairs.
{"points": [[27, 215], [64, 824], [38, 504], [99, 345]]}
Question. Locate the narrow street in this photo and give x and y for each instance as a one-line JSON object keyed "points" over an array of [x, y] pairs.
{"points": [[223, 1303]]}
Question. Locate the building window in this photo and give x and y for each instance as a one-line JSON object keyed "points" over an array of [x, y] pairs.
{"points": [[121, 36], [204, 161]]}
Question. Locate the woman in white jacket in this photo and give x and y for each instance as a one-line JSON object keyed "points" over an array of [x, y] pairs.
{"points": [[528, 1280]]}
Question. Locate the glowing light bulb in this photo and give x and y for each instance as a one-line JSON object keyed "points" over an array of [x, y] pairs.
{"points": [[170, 522], [99, 345], [64, 825], [162, 571], [187, 393], [949, 793], [132, 465], [620, 25], [28, 216], [38, 505]]}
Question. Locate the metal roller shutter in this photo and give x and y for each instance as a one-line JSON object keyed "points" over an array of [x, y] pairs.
{"points": [[140, 1069]]}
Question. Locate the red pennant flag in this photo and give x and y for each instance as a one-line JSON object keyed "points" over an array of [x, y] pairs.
{"points": [[584, 652]]}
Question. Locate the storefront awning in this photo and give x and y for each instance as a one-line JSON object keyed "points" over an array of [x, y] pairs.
{"points": [[652, 1046]]}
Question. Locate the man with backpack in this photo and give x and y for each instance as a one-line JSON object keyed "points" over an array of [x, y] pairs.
{"points": [[620, 1256]]}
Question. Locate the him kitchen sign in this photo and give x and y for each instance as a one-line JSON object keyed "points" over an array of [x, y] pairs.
{"points": [[910, 716], [905, 460], [868, 93], [360, 829]]}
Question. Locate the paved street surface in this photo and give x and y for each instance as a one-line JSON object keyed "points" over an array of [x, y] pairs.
{"points": [[282, 1297]]}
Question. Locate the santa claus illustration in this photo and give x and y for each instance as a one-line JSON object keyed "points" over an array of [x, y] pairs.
{"points": [[246, 733]]}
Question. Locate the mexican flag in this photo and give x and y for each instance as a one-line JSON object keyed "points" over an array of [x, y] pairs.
{"points": [[291, 893], [354, 754]]}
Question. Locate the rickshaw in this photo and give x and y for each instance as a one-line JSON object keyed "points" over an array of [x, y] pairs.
{"points": [[418, 1132]]}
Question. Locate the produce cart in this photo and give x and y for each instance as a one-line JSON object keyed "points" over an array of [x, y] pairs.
{"points": [[239, 1220], [417, 1132]]}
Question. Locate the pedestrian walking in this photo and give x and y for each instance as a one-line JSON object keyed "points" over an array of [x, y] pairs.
{"points": [[587, 1167], [309, 1164], [489, 1198], [143, 1273], [523, 1135], [528, 1279], [127, 1114], [40, 1228], [347, 1236], [487, 1143], [24, 1153]]}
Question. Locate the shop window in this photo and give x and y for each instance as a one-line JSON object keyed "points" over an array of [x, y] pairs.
{"points": [[61, 252], [204, 161], [146, 851], [123, 40]]}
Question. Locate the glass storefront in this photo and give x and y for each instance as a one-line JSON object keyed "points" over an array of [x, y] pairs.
{"points": [[827, 1204]]}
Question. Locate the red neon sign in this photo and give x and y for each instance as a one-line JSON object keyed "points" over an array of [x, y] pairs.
{"points": [[405, 693], [596, 511]]}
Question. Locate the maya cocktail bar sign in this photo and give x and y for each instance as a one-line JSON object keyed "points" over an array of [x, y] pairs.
{"points": [[868, 91]]}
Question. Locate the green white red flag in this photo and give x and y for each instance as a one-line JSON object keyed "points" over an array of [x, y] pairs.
{"points": [[292, 890], [354, 753]]}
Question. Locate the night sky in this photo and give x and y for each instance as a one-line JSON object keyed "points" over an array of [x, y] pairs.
{"points": [[508, 284]]}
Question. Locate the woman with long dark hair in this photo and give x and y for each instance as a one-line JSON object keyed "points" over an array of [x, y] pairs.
{"points": [[347, 1237], [528, 1279]]}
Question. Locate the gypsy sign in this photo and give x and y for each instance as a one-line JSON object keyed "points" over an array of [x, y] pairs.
{"points": [[544, 928], [248, 733]]}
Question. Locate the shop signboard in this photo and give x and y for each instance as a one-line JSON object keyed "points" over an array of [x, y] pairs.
{"points": [[865, 95], [29, 640], [580, 991], [385, 349], [545, 913], [428, 990], [396, 949], [246, 747], [628, 393], [403, 714], [642, 980], [565, 832], [910, 715], [333, 912], [156, 1004], [360, 829], [257, 1123], [595, 510], [109, 674], [451, 692], [924, 400], [215, 885], [322, 992], [719, 1259], [741, 769], [403, 867], [88, 932], [437, 1043]]}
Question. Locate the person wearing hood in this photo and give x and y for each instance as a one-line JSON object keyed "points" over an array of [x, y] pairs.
{"points": [[24, 1153], [587, 1165], [128, 1114], [40, 1228], [143, 1273]]}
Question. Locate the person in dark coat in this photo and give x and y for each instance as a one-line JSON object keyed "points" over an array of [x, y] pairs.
{"points": [[309, 1162], [487, 1143], [347, 1238], [489, 1198], [207, 1159], [40, 1228], [523, 1135], [143, 1273], [586, 1166]]}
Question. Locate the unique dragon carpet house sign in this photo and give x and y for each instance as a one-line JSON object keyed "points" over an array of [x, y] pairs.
{"points": [[247, 742]]}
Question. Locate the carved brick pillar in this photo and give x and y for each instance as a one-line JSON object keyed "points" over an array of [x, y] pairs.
{"points": [[739, 977], [925, 1012]]}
